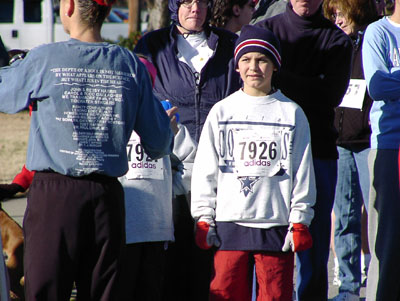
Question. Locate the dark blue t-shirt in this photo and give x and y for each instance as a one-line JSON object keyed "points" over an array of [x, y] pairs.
{"points": [[239, 238]]}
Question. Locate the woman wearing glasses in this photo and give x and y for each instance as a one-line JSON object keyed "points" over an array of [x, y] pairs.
{"points": [[353, 143], [194, 63]]}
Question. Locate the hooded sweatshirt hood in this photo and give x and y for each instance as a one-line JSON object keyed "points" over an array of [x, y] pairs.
{"points": [[173, 6]]}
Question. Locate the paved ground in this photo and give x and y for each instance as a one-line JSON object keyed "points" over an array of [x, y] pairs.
{"points": [[16, 208]]}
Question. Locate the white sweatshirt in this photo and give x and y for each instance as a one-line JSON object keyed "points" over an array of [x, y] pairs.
{"points": [[253, 164], [149, 186]]}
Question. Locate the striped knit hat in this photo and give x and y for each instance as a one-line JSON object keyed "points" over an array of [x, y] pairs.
{"points": [[257, 39]]}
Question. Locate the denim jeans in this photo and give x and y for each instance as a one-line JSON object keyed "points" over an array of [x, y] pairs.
{"points": [[312, 264], [351, 190]]}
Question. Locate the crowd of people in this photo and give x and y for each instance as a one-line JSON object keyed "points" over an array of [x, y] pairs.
{"points": [[265, 129]]}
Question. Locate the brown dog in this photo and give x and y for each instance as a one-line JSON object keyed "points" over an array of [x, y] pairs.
{"points": [[13, 248]]}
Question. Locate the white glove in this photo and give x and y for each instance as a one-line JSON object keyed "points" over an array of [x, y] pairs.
{"points": [[206, 236]]}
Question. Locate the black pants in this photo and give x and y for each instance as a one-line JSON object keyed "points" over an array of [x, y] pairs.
{"points": [[143, 271], [74, 232], [188, 268]]}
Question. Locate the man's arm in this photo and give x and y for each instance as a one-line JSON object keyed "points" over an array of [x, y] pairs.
{"points": [[330, 85], [205, 175], [383, 79], [15, 81], [21, 183], [152, 122], [304, 190]]}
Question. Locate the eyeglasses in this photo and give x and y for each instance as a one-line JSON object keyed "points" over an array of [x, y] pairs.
{"points": [[337, 15], [190, 3]]}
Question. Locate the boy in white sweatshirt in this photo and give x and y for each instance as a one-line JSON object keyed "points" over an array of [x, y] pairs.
{"points": [[253, 184]]}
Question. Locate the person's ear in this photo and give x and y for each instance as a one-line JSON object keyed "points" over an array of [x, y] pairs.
{"points": [[236, 11], [70, 7], [237, 68]]}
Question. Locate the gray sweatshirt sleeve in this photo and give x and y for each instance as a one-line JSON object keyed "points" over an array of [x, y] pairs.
{"points": [[182, 159]]}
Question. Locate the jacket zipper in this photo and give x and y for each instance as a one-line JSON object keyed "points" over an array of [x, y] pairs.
{"points": [[197, 103]]}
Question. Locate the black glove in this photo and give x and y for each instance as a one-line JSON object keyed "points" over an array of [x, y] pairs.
{"points": [[9, 190]]}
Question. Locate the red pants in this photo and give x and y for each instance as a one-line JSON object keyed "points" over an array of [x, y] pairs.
{"points": [[233, 276]]}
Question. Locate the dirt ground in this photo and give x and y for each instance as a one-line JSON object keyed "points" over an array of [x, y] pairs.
{"points": [[14, 130]]}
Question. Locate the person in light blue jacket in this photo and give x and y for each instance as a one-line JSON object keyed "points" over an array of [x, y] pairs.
{"points": [[87, 97], [381, 62]]}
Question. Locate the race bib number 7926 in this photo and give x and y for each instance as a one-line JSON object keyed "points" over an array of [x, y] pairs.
{"points": [[257, 153]]}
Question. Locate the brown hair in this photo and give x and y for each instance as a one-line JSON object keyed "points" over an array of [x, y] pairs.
{"points": [[361, 12], [222, 11], [92, 13]]}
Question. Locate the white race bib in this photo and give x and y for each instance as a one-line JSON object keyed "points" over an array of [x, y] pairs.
{"points": [[141, 166], [257, 153], [355, 93]]}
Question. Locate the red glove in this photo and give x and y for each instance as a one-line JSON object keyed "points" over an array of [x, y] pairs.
{"points": [[297, 239], [206, 236], [24, 178]]}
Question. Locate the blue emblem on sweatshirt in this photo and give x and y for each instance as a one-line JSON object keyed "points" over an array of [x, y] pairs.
{"points": [[228, 168], [247, 184]]}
